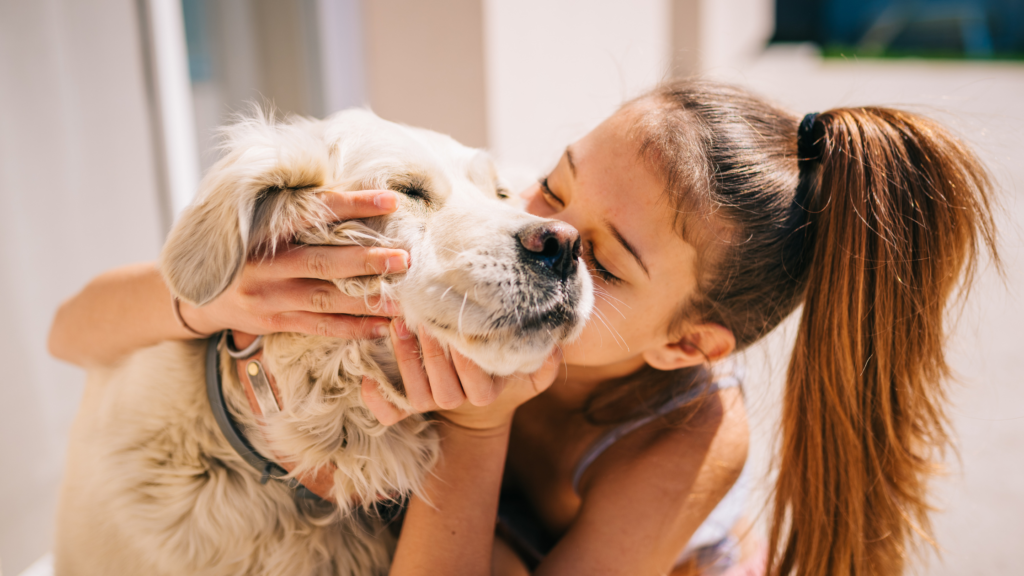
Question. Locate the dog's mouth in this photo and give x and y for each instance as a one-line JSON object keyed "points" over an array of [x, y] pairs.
{"points": [[506, 329], [513, 323], [557, 316]]}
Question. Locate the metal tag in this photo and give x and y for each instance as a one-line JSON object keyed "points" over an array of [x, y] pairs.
{"points": [[261, 386]]}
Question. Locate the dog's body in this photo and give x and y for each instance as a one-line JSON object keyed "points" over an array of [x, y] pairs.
{"points": [[153, 487]]}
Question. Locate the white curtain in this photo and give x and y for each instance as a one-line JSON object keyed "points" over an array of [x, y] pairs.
{"points": [[79, 195]]}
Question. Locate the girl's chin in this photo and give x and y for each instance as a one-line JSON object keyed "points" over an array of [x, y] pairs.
{"points": [[576, 354], [582, 355]]}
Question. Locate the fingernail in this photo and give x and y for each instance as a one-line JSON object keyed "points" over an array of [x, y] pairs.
{"points": [[385, 201], [401, 329], [380, 330], [398, 263]]}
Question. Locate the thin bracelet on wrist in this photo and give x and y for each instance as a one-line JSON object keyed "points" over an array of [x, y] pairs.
{"points": [[176, 306], [487, 432]]}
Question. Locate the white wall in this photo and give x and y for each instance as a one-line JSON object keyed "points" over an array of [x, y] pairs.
{"points": [[342, 54], [555, 69], [425, 65], [735, 32], [78, 196]]}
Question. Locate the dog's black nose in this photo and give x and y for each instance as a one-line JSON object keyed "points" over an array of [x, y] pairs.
{"points": [[554, 244]]}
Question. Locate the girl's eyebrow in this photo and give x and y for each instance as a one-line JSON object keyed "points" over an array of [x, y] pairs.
{"points": [[629, 247], [572, 164]]}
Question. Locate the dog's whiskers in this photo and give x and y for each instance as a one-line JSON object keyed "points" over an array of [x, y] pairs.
{"points": [[611, 330], [613, 307], [607, 297], [604, 290], [453, 251], [465, 298]]}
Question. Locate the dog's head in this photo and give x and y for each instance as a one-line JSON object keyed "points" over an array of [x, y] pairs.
{"points": [[498, 284]]}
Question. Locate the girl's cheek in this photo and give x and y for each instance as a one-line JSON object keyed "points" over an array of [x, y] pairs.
{"points": [[615, 318]]}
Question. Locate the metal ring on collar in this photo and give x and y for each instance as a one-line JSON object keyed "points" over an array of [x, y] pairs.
{"points": [[245, 353]]}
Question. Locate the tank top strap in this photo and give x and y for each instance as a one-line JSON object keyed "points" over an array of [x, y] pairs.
{"points": [[725, 374]]}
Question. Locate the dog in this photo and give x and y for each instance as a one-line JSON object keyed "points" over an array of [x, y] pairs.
{"points": [[153, 485]]}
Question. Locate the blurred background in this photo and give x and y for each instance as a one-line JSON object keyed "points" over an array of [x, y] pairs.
{"points": [[108, 110]]}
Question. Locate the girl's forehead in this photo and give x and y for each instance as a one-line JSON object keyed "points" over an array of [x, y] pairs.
{"points": [[622, 188], [608, 168]]}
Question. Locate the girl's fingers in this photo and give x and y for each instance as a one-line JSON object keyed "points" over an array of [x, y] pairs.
{"points": [[332, 325], [333, 262], [360, 204], [385, 412], [324, 297], [414, 377], [548, 372], [445, 386], [480, 388]]}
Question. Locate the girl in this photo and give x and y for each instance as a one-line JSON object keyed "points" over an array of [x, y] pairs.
{"points": [[708, 215]]}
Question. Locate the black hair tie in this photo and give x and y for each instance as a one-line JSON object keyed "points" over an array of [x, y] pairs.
{"points": [[809, 140]]}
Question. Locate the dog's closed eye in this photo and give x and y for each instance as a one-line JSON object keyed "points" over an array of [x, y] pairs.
{"points": [[414, 188], [414, 192]]}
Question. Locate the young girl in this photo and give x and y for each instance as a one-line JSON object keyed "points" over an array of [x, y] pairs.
{"points": [[708, 215]]}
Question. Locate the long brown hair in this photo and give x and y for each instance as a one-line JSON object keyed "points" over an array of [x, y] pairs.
{"points": [[873, 237]]}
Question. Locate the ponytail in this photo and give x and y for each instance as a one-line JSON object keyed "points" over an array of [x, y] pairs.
{"points": [[897, 211], [874, 226]]}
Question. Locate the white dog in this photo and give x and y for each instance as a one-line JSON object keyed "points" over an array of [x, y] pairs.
{"points": [[153, 485]]}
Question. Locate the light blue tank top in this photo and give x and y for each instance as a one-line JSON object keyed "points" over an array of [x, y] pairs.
{"points": [[715, 530]]}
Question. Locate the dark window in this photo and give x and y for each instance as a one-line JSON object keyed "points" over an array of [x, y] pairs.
{"points": [[983, 29]]}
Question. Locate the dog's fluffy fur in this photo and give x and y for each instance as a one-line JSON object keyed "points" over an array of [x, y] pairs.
{"points": [[152, 487]]}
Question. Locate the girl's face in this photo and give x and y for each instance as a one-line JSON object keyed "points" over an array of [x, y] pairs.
{"points": [[641, 267]]}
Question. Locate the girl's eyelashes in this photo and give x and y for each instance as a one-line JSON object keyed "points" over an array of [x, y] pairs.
{"points": [[546, 190], [596, 266]]}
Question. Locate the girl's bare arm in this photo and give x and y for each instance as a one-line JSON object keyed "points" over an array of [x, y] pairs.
{"points": [[648, 494], [642, 500], [117, 312]]}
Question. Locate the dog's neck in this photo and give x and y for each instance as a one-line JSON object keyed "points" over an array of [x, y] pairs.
{"points": [[264, 398], [323, 422]]}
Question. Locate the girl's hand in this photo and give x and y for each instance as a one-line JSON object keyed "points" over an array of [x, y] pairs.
{"points": [[292, 292], [444, 385]]}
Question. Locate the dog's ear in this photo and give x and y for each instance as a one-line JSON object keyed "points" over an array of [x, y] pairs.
{"points": [[203, 254], [260, 193]]}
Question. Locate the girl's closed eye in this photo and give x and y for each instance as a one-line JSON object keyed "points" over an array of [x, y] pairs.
{"points": [[546, 190], [591, 258], [596, 266]]}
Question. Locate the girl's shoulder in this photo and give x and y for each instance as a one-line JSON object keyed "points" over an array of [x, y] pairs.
{"points": [[678, 476], [725, 374]]}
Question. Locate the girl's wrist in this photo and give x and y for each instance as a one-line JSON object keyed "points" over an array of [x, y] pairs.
{"points": [[195, 320]]}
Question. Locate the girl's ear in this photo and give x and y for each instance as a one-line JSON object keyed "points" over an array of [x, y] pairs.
{"points": [[701, 343]]}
